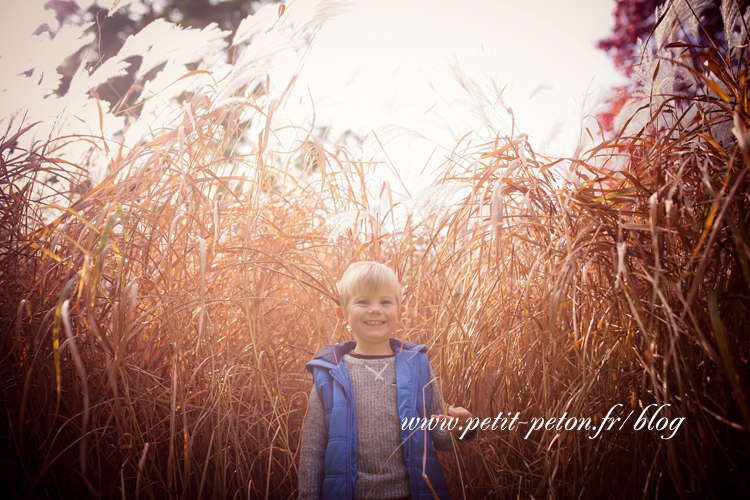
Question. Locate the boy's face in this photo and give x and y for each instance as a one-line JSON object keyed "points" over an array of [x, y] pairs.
{"points": [[373, 315]]}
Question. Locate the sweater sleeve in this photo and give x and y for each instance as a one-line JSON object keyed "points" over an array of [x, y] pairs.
{"points": [[441, 439], [312, 449]]}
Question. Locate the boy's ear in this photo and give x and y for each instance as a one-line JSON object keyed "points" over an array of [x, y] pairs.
{"points": [[401, 312], [340, 313]]}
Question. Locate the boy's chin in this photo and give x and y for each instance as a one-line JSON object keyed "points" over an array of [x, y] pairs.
{"points": [[371, 341]]}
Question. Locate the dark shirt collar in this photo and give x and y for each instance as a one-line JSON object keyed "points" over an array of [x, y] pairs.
{"points": [[369, 356]]}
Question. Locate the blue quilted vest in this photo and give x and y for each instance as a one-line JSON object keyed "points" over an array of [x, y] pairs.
{"points": [[334, 388]]}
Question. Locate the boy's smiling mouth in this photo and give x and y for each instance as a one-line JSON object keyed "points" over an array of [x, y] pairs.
{"points": [[374, 322]]}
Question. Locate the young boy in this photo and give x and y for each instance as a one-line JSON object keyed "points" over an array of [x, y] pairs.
{"points": [[353, 445]]}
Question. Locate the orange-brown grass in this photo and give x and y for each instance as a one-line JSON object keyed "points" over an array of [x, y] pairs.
{"points": [[154, 335]]}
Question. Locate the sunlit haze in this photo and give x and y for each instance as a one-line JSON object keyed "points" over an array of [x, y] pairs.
{"points": [[412, 77], [388, 63]]}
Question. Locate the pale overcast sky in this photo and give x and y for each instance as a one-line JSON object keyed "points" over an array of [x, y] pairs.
{"points": [[392, 62], [391, 66]]}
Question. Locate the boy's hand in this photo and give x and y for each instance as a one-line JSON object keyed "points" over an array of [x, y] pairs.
{"points": [[458, 412]]}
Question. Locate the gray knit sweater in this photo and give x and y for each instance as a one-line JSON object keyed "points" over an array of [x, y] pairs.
{"points": [[381, 469]]}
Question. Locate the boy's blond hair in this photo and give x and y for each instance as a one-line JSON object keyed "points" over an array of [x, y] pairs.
{"points": [[367, 274]]}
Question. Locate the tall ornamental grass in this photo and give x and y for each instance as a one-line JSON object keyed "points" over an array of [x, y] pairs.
{"points": [[157, 313]]}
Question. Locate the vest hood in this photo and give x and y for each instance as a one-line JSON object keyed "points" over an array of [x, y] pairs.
{"points": [[330, 355]]}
